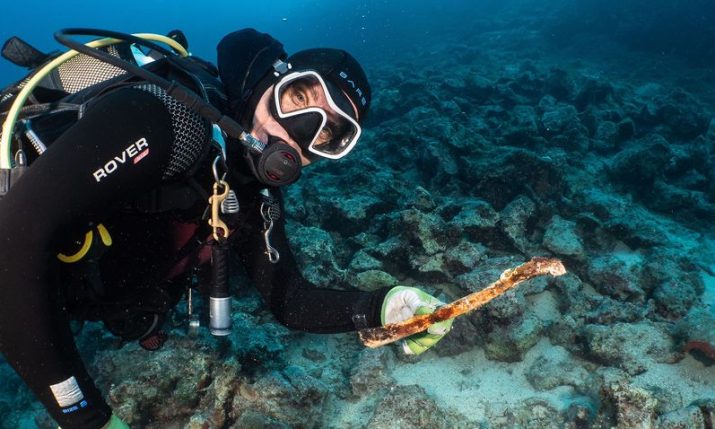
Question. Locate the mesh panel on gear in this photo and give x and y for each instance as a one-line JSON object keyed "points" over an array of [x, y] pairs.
{"points": [[83, 71], [191, 132]]}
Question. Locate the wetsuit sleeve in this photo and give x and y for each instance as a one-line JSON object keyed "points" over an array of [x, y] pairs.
{"points": [[294, 301], [119, 147]]}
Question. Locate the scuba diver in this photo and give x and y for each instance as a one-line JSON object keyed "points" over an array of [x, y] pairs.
{"points": [[104, 191]]}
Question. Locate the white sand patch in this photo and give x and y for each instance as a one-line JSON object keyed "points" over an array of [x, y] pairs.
{"points": [[687, 379], [477, 387]]}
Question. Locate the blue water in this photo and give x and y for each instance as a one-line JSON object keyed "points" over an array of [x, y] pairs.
{"points": [[600, 114], [372, 30]]}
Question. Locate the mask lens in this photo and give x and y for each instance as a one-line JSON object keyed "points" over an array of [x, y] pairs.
{"points": [[303, 96]]}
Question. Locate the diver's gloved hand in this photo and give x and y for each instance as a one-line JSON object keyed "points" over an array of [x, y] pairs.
{"points": [[115, 423], [403, 302]]}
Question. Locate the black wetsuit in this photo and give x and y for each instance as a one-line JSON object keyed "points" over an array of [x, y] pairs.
{"points": [[80, 181]]}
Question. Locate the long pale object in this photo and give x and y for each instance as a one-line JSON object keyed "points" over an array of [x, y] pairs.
{"points": [[379, 336]]}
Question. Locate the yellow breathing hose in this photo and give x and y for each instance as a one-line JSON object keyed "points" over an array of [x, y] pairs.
{"points": [[9, 124]]}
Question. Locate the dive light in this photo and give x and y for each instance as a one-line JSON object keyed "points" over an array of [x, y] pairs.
{"points": [[219, 296]]}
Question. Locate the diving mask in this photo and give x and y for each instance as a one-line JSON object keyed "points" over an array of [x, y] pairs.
{"points": [[327, 130]]}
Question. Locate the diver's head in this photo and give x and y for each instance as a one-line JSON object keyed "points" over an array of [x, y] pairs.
{"points": [[306, 107], [315, 105]]}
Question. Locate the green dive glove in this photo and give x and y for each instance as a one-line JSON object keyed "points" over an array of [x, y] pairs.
{"points": [[115, 423], [403, 302]]}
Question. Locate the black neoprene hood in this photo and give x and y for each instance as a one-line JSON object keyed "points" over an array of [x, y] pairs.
{"points": [[245, 61], [339, 68], [245, 64]]}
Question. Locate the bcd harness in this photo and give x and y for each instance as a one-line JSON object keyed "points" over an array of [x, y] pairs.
{"points": [[194, 83]]}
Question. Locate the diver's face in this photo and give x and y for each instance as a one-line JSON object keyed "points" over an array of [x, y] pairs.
{"points": [[298, 95]]}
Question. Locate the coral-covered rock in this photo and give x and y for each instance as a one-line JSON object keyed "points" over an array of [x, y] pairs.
{"points": [[618, 276], [506, 308], [580, 414], [475, 219], [556, 368], [565, 332], [638, 167], [621, 218], [573, 300], [487, 272], [425, 230], [707, 407], [410, 406], [464, 257], [422, 200], [462, 337], [674, 298], [534, 286], [216, 398], [562, 238], [629, 346], [372, 371], [513, 221], [429, 267], [606, 311], [594, 92], [140, 383], [684, 418], [509, 343], [354, 209], [523, 128], [255, 420], [374, 279], [362, 261], [316, 256], [559, 119], [696, 333], [535, 413], [256, 344], [682, 113], [634, 407], [608, 134], [289, 396], [391, 248]]}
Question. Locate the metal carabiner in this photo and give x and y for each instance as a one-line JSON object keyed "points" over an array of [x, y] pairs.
{"points": [[220, 230], [214, 168], [268, 213], [273, 255]]}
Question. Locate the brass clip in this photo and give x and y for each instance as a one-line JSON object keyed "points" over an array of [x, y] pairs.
{"points": [[220, 230]]}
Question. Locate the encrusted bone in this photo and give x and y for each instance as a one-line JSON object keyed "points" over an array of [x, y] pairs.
{"points": [[379, 336]]}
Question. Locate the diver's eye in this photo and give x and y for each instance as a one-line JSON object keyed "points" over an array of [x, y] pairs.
{"points": [[299, 98]]}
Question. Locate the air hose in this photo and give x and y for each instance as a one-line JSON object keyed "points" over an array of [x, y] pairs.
{"points": [[11, 119]]}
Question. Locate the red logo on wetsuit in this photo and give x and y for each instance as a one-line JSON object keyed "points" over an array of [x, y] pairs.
{"points": [[135, 152]]}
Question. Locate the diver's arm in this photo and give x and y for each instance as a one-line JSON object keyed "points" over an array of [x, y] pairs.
{"points": [[294, 301], [119, 147]]}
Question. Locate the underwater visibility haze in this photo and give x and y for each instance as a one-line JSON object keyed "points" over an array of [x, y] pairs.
{"points": [[582, 130]]}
